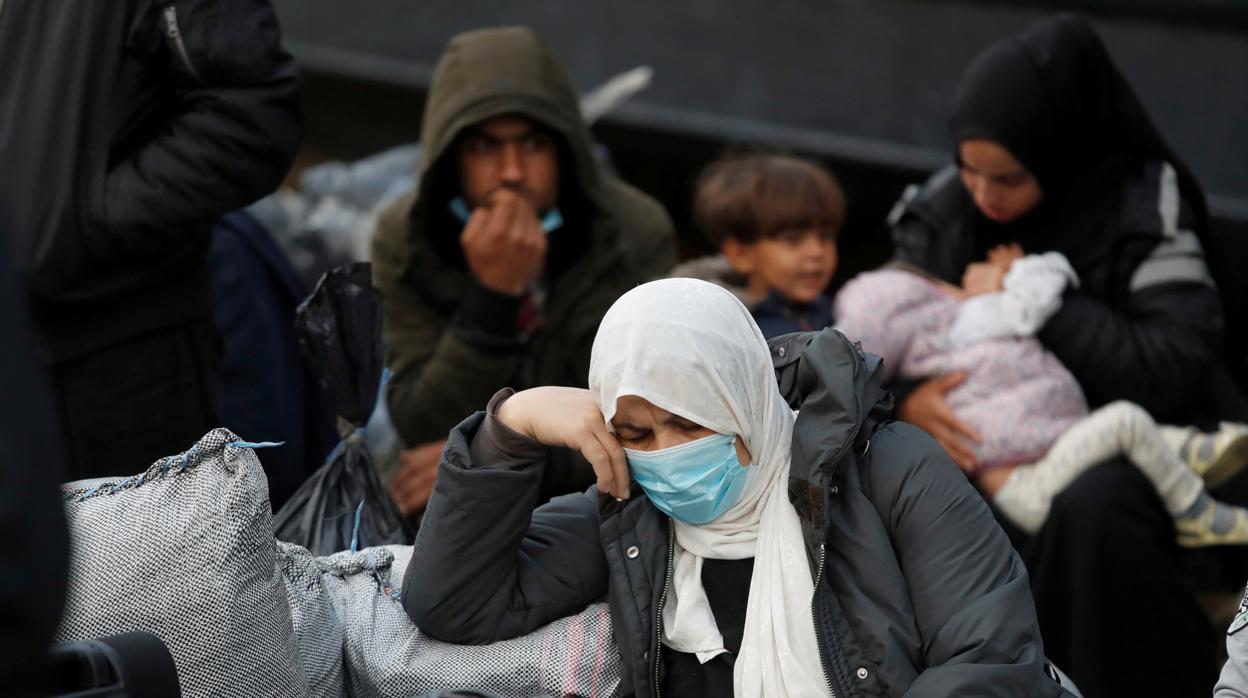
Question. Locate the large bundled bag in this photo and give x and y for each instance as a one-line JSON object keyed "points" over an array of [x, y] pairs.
{"points": [[318, 631], [344, 504], [388, 657], [185, 551]]}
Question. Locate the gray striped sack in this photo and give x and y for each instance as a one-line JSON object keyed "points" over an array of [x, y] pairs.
{"points": [[388, 657], [185, 550]]}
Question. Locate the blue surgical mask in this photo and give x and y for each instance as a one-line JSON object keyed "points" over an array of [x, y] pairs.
{"points": [[459, 208], [694, 482]]}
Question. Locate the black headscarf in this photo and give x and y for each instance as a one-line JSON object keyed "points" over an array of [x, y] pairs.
{"points": [[1053, 98]]}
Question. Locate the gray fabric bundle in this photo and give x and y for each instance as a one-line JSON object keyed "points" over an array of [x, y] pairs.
{"points": [[318, 631], [185, 550], [387, 656]]}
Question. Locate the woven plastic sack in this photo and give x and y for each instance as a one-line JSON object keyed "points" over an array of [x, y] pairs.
{"points": [[318, 632], [388, 657], [185, 551]]}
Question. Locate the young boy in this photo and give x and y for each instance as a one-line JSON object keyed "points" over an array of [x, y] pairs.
{"points": [[775, 219]]}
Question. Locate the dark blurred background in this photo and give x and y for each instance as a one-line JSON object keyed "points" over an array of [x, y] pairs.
{"points": [[864, 85]]}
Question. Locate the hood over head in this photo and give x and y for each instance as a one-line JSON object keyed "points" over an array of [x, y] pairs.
{"points": [[839, 391], [486, 73]]}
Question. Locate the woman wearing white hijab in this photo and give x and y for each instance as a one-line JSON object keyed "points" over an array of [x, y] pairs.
{"points": [[775, 554]]}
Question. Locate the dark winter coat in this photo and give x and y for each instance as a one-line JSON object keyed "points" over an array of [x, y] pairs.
{"points": [[452, 343], [269, 392], [34, 562], [127, 128], [918, 592]]}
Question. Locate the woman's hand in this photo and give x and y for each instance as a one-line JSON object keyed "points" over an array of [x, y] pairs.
{"points": [[927, 409], [570, 417]]}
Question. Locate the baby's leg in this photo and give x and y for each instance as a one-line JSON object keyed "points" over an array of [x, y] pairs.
{"points": [[1138, 437], [1121, 428]]}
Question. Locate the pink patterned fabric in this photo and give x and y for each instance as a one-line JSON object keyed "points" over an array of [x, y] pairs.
{"points": [[1016, 394]]}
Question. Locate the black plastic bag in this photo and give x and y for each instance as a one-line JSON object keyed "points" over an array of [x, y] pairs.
{"points": [[343, 505], [339, 330]]}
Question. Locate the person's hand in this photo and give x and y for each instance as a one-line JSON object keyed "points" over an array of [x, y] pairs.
{"points": [[570, 417], [927, 409], [1004, 256], [983, 277], [418, 470], [504, 244]]}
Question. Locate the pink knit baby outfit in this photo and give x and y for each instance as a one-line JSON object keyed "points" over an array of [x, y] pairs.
{"points": [[1016, 394]]}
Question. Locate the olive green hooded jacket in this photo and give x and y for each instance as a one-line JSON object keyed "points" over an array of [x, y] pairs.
{"points": [[451, 342]]}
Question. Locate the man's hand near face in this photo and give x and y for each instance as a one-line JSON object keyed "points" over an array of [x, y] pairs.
{"points": [[504, 243]]}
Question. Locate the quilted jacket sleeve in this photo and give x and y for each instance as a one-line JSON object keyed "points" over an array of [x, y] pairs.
{"points": [[486, 566], [971, 595], [232, 127]]}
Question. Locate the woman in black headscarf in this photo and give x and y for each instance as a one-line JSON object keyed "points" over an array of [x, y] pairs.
{"points": [[1056, 153]]}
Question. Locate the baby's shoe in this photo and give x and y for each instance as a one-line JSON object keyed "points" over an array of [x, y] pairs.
{"points": [[1215, 457], [1210, 522]]}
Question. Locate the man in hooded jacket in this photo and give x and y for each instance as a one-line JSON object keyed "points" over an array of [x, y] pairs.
{"points": [[497, 270]]}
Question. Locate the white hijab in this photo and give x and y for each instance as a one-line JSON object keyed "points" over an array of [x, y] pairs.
{"points": [[691, 348]]}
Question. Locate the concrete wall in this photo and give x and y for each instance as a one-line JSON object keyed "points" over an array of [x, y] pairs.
{"points": [[867, 80]]}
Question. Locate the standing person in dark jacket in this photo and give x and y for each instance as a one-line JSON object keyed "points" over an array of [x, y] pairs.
{"points": [[497, 269], [134, 125], [1055, 153], [827, 552]]}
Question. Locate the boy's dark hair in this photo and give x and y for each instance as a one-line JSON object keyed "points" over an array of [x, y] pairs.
{"points": [[748, 197]]}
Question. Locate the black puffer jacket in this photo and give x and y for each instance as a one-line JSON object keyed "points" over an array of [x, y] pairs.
{"points": [[127, 128], [1145, 326], [918, 592]]}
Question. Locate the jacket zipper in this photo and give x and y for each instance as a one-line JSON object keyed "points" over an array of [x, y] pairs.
{"points": [[814, 616], [658, 614], [175, 34]]}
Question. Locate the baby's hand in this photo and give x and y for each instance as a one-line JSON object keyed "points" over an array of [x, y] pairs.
{"points": [[1004, 255], [983, 277]]}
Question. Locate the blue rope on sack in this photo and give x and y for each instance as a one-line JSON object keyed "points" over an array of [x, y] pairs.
{"points": [[355, 532], [255, 444], [186, 458], [123, 484], [385, 588]]}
